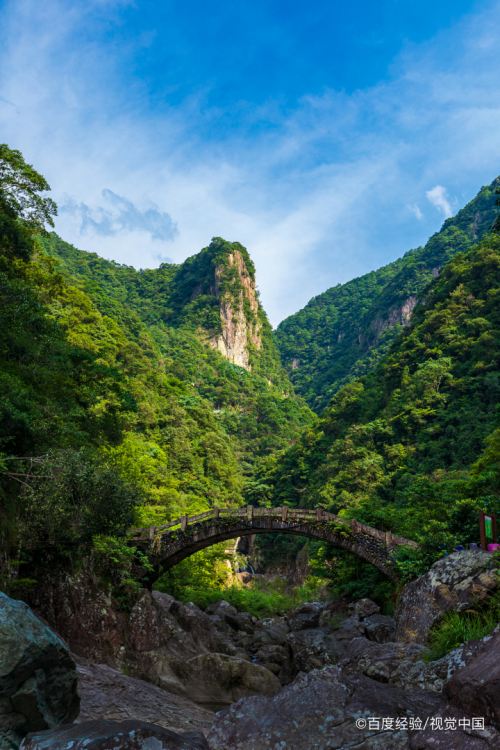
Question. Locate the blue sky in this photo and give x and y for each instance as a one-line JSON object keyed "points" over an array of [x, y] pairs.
{"points": [[327, 137]]}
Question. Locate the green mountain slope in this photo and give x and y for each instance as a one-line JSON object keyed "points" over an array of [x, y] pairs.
{"points": [[211, 333], [413, 446], [125, 396], [341, 333]]}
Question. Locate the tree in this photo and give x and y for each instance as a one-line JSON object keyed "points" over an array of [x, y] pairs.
{"points": [[20, 188]]}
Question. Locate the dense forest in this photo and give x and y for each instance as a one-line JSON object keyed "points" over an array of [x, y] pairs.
{"points": [[414, 445], [115, 408], [130, 397], [341, 333]]}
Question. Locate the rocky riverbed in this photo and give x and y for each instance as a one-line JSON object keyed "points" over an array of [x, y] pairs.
{"points": [[325, 676]]}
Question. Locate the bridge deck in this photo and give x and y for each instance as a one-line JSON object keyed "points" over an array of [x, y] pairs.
{"points": [[284, 514]]}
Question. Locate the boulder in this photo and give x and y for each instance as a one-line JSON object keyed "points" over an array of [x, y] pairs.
{"points": [[218, 679], [271, 631], [107, 735], [404, 664], [221, 609], [379, 628], [350, 628], [224, 614], [305, 616], [327, 709], [277, 659], [148, 641], [384, 662], [313, 648], [452, 583], [476, 687], [106, 693], [364, 608], [38, 681]]}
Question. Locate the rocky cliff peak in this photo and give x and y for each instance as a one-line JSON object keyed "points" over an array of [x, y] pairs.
{"points": [[215, 291], [240, 326]]}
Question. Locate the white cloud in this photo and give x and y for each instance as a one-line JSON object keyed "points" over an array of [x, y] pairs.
{"points": [[438, 198], [416, 211], [117, 214], [318, 197]]}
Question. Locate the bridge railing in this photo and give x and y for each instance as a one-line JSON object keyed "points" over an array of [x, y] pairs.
{"points": [[283, 513], [248, 511]]}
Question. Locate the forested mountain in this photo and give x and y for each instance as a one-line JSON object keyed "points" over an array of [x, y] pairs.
{"points": [[341, 333], [126, 396], [132, 397], [414, 445]]}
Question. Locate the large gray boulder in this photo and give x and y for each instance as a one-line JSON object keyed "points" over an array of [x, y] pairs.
{"points": [[384, 662], [37, 674], [305, 616], [106, 693], [327, 709], [216, 680], [476, 687], [111, 735], [313, 648], [364, 608], [380, 628], [149, 641], [452, 583]]}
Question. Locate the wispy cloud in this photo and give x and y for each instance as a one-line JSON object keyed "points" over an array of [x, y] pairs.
{"points": [[322, 192], [416, 211], [118, 214], [438, 198]]}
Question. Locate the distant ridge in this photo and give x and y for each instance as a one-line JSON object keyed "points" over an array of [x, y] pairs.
{"points": [[340, 333]]}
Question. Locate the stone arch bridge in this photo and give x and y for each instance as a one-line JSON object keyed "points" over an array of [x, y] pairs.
{"points": [[167, 545]]}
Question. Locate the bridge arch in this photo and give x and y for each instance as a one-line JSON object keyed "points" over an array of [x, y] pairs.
{"points": [[167, 545]]}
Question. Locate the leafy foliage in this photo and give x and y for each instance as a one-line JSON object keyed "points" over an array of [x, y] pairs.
{"points": [[96, 376], [20, 188], [413, 446], [115, 408], [342, 333]]}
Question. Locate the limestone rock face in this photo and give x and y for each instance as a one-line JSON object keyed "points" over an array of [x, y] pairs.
{"points": [[397, 315], [319, 710], [37, 674], [240, 326], [453, 582], [109, 735]]}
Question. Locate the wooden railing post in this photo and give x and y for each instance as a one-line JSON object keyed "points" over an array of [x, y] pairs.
{"points": [[184, 523], [216, 512], [250, 512], [284, 513], [319, 514]]}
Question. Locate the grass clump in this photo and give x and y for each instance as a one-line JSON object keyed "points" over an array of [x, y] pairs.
{"points": [[458, 627]]}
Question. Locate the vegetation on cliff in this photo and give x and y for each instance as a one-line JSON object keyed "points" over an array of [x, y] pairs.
{"points": [[342, 333], [133, 397], [99, 379], [413, 446]]}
